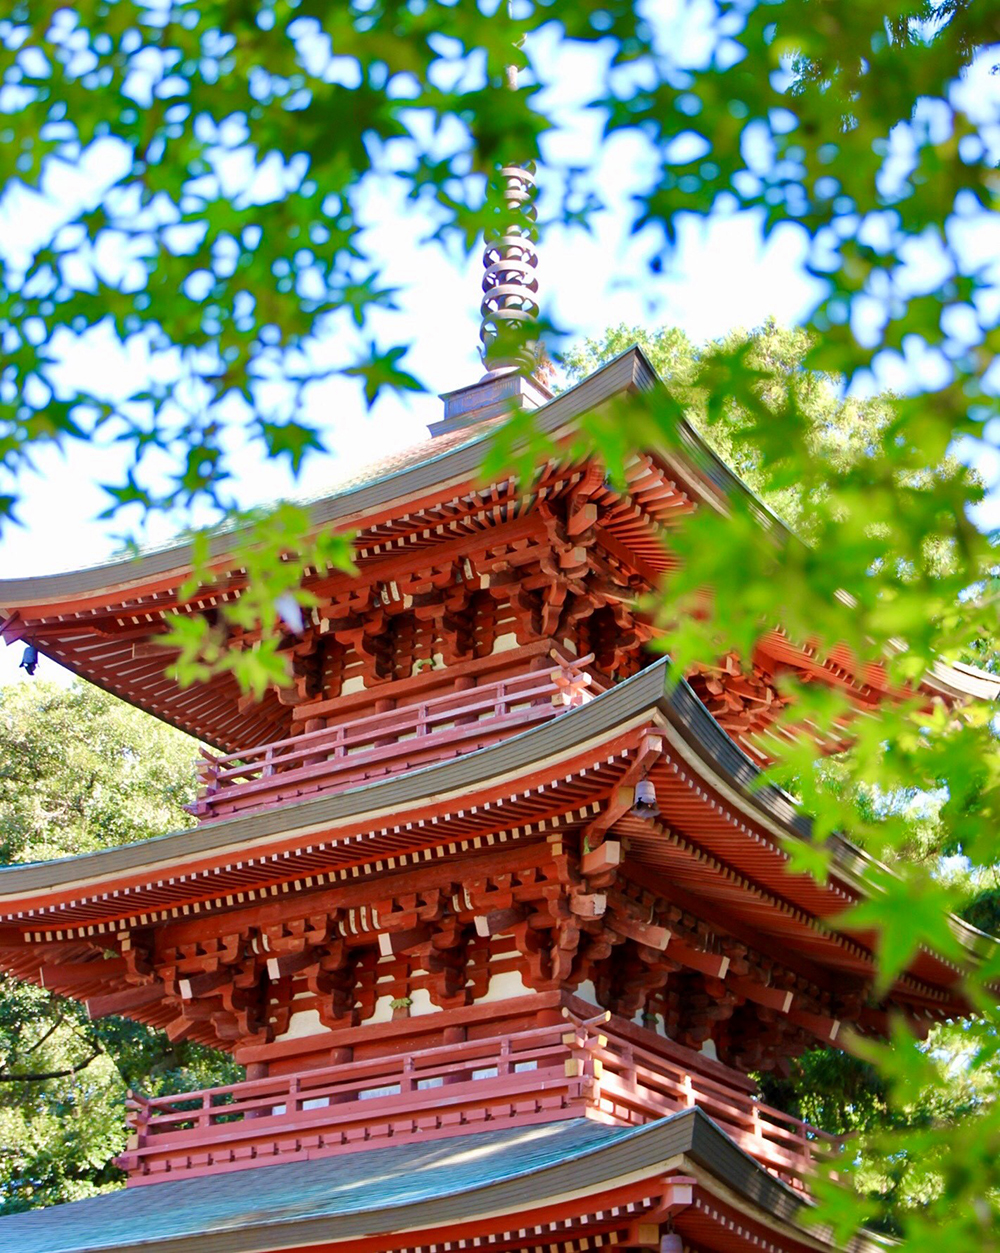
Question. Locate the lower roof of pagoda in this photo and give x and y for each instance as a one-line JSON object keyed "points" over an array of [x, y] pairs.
{"points": [[716, 849], [569, 1185]]}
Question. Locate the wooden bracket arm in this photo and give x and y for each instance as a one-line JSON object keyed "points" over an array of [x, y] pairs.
{"points": [[623, 798]]}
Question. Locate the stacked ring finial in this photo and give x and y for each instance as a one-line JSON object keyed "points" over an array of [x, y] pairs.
{"points": [[510, 282]]}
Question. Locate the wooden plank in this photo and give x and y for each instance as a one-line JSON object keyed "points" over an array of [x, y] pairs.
{"points": [[771, 998], [68, 976], [826, 1029], [125, 1001], [712, 964], [607, 856]]}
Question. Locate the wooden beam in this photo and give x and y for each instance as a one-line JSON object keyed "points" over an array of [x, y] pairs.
{"points": [[392, 942], [498, 920], [124, 1002], [606, 856], [59, 976], [13, 628], [590, 905], [712, 964], [641, 932], [623, 797], [286, 964], [725, 920], [826, 1029], [193, 986], [644, 1232], [770, 998]]}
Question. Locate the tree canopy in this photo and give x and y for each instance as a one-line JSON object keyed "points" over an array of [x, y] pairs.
{"points": [[81, 770], [223, 238]]}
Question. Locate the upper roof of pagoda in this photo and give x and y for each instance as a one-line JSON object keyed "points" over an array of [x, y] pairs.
{"points": [[417, 507], [100, 621]]}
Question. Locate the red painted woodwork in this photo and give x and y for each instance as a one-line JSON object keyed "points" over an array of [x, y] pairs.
{"points": [[379, 744], [574, 1067], [475, 612]]}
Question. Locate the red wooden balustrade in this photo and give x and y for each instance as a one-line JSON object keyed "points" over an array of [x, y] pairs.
{"points": [[386, 743], [573, 1068]]}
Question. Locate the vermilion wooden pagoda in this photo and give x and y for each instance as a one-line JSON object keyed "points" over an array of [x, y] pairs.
{"points": [[486, 995], [496, 926]]}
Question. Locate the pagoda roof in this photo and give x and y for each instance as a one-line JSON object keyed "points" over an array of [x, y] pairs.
{"points": [[98, 621], [91, 619], [371, 1200], [728, 849], [454, 457], [610, 712]]}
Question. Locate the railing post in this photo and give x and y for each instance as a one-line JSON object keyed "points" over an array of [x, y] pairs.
{"points": [[629, 1074], [504, 1060], [137, 1119], [205, 1116], [256, 1070], [406, 1078]]}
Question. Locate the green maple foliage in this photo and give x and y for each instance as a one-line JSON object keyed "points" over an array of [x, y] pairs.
{"points": [[869, 128]]}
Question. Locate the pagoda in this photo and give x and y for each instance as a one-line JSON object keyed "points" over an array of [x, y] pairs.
{"points": [[498, 925]]}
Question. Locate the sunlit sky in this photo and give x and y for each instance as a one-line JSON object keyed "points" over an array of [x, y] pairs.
{"points": [[721, 275]]}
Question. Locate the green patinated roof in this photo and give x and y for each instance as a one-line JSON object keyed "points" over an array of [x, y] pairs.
{"points": [[368, 1192], [368, 1182]]}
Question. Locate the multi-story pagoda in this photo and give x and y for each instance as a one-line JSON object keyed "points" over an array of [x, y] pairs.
{"points": [[496, 925]]}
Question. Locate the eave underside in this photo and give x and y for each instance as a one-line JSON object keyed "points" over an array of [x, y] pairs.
{"points": [[715, 853]]}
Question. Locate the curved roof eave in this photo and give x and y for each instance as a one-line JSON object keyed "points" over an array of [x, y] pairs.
{"points": [[495, 1173], [626, 703], [631, 370]]}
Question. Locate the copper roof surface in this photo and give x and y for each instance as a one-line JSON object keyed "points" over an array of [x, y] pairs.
{"points": [[423, 1185]]}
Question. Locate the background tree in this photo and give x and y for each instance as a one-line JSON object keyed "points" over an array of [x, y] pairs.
{"points": [[81, 770], [838, 1091]]}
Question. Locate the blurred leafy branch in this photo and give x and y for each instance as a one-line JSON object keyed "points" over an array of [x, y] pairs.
{"points": [[870, 128]]}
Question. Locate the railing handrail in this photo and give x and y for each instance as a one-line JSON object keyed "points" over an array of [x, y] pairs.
{"points": [[432, 725], [631, 1075], [372, 1068], [361, 730], [432, 705], [567, 1067], [711, 1091]]}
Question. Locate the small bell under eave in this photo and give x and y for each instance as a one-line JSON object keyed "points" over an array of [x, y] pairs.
{"points": [[671, 1243], [644, 805], [29, 661]]}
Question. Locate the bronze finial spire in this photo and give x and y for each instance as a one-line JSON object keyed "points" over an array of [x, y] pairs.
{"points": [[510, 284], [510, 302]]}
